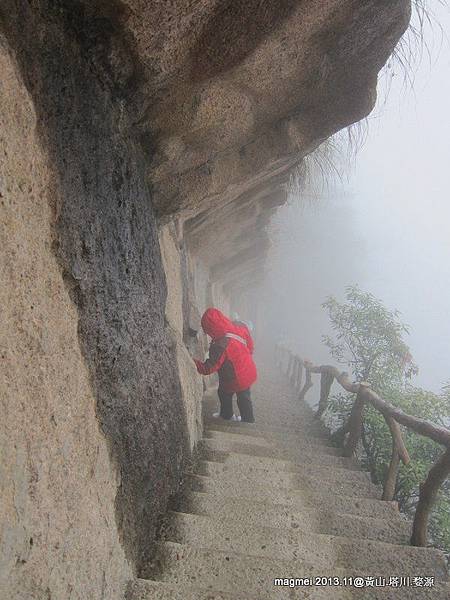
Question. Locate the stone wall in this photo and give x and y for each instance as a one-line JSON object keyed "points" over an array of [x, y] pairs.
{"points": [[179, 318]]}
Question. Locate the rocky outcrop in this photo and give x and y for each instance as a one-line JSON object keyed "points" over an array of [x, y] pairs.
{"points": [[242, 91], [236, 94], [149, 144]]}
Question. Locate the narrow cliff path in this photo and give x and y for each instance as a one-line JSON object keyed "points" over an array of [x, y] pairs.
{"points": [[276, 500]]}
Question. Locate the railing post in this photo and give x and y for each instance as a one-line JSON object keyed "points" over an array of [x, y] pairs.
{"points": [[397, 438], [298, 380], [428, 492], [355, 421], [399, 453], [391, 475], [326, 381], [308, 381], [300, 375], [294, 364], [289, 368], [295, 372]]}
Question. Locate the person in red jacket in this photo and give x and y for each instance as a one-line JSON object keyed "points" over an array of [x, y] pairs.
{"points": [[231, 358]]}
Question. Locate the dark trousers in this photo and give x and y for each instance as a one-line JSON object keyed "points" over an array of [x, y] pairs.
{"points": [[243, 401]]}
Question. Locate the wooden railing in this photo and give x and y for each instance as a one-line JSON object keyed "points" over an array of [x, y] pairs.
{"points": [[299, 372]]}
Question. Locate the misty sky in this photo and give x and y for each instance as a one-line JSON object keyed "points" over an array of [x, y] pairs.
{"points": [[385, 226]]}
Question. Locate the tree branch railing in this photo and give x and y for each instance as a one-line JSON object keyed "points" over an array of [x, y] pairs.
{"points": [[349, 434]]}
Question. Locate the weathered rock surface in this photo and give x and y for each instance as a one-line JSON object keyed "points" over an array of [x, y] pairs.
{"points": [[78, 70], [242, 90], [239, 94], [58, 531]]}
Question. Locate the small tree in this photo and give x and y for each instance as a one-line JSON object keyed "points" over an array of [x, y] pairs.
{"points": [[369, 338]]}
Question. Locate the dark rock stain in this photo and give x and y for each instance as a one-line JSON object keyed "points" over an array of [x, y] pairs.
{"points": [[236, 29]]}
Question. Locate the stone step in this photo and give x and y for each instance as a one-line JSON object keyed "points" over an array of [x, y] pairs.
{"points": [[275, 437], [322, 550], [391, 529], [256, 512], [250, 440], [275, 440], [294, 454], [283, 486], [214, 451], [352, 505], [237, 573], [145, 589], [267, 417], [247, 462], [269, 423], [298, 499], [185, 565], [280, 410], [345, 488], [310, 428], [358, 485], [245, 489], [285, 416], [350, 471], [207, 532]]}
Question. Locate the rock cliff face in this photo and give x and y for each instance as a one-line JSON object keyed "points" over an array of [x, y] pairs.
{"points": [[105, 240], [241, 91], [144, 147], [59, 537]]}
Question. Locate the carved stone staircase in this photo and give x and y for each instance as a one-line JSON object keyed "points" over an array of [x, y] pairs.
{"points": [[276, 500]]}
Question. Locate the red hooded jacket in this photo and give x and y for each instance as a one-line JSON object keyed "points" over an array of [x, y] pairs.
{"points": [[229, 354]]}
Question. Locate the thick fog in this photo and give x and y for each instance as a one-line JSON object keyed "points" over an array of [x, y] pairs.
{"points": [[385, 225]]}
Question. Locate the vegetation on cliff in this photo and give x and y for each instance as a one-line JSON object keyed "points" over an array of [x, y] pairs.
{"points": [[369, 339]]}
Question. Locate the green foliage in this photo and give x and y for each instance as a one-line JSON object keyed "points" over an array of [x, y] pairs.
{"points": [[369, 339], [440, 520]]}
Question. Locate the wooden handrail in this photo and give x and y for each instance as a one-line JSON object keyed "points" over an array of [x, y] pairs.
{"points": [[394, 417], [437, 433]]}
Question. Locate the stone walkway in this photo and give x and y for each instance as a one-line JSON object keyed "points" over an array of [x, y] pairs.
{"points": [[276, 500]]}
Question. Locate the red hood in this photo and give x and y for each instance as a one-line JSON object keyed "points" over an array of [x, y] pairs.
{"points": [[216, 324]]}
